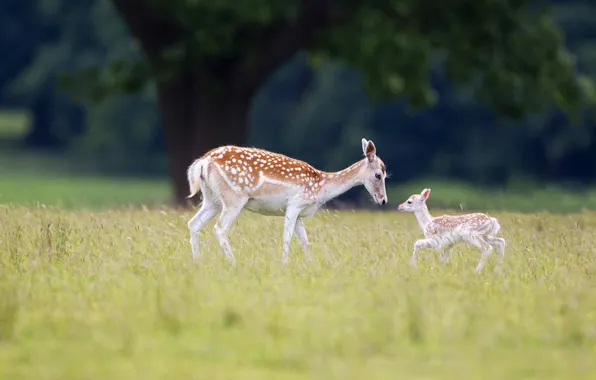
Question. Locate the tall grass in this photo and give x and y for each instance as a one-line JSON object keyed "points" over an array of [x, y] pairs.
{"points": [[115, 294]]}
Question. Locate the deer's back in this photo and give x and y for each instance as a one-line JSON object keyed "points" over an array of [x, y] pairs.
{"points": [[455, 224]]}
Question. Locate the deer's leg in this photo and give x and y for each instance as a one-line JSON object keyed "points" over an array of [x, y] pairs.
{"points": [[423, 243], [229, 213], [207, 211], [300, 232], [499, 245], [447, 244], [483, 246], [290, 219], [445, 253]]}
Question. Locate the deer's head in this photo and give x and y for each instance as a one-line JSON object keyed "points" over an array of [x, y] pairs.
{"points": [[373, 173], [415, 202]]}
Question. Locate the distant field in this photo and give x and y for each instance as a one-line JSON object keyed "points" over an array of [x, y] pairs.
{"points": [[14, 124], [524, 197], [30, 177], [50, 179], [115, 295], [77, 192]]}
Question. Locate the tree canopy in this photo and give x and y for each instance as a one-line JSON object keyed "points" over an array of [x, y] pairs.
{"points": [[217, 67], [510, 51]]}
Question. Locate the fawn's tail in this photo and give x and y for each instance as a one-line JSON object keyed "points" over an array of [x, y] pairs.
{"points": [[496, 226]]}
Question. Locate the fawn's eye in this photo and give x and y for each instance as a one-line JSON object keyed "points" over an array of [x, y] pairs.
{"points": [[378, 175], [409, 202]]}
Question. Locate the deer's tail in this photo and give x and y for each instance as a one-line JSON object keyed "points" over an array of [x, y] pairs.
{"points": [[196, 173], [496, 226]]}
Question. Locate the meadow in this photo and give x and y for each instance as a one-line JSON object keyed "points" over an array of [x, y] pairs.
{"points": [[97, 281], [113, 293]]}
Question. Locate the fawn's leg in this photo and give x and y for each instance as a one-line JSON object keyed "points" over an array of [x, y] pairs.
{"points": [[444, 258], [483, 246], [499, 244], [423, 243]]}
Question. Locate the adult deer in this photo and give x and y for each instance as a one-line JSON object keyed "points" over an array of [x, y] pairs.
{"points": [[232, 178], [445, 231]]}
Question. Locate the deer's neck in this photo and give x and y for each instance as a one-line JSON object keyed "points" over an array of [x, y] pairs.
{"points": [[336, 183], [423, 216]]}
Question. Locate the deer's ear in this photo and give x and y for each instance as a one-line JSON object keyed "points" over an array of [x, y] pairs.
{"points": [[370, 151], [425, 193], [364, 144]]}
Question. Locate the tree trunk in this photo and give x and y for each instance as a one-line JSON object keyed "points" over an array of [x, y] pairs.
{"points": [[193, 124]]}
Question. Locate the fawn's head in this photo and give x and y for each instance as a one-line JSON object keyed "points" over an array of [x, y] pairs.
{"points": [[374, 173], [415, 201]]}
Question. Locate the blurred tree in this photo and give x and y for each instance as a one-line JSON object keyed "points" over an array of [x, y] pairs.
{"points": [[66, 36], [19, 21], [23, 31], [60, 27], [318, 115], [208, 58]]}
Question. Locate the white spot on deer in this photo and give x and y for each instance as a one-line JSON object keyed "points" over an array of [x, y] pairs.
{"points": [[234, 171]]}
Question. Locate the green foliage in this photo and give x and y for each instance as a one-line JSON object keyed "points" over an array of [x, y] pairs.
{"points": [[513, 55], [116, 295], [321, 115], [20, 34], [321, 125], [97, 75], [514, 58], [134, 121]]}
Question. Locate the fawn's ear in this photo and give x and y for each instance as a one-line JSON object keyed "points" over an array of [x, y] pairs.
{"points": [[424, 194], [364, 145], [370, 150]]}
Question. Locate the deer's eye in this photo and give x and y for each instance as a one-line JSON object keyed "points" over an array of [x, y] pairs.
{"points": [[409, 202], [378, 175]]}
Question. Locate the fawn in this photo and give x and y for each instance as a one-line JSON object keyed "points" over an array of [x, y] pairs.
{"points": [[445, 231]]}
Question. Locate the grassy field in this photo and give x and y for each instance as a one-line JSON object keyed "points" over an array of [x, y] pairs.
{"points": [[28, 178], [58, 188], [115, 294], [524, 196], [72, 192]]}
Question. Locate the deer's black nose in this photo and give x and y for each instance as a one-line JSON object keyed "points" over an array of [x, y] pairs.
{"points": [[383, 201]]}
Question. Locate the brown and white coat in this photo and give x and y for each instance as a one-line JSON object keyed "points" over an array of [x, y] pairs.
{"points": [[445, 231], [232, 178]]}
